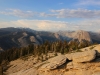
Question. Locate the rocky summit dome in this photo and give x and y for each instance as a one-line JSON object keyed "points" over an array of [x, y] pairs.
{"points": [[82, 35]]}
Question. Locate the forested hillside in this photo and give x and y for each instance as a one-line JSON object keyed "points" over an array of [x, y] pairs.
{"points": [[43, 49]]}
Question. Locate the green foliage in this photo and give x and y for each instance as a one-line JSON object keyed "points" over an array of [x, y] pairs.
{"points": [[66, 50], [78, 50], [43, 49]]}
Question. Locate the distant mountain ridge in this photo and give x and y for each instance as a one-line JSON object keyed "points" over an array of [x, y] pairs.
{"points": [[20, 37], [80, 35]]}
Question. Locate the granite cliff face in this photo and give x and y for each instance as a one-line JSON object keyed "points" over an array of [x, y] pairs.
{"points": [[80, 35]]}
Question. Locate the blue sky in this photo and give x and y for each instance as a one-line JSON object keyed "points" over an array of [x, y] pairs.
{"points": [[51, 15]]}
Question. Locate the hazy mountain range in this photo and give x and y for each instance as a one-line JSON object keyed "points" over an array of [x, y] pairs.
{"points": [[20, 37]]}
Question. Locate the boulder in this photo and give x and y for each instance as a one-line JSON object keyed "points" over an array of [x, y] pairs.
{"points": [[69, 56], [55, 62], [49, 66], [59, 60], [85, 56]]}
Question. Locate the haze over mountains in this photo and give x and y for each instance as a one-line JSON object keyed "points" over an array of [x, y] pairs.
{"points": [[20, 37]]}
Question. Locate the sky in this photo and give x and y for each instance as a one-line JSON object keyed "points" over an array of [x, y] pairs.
{"points": [[51, 15]]}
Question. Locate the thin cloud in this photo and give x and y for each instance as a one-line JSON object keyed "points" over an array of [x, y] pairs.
{"points": [[62, 13], [89, 25], [61, 3], [46, 25], [18, 13], [49, 25], [73, 13], [88, 2]]}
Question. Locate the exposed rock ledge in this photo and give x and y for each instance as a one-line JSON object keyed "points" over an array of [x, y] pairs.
{"points": [[85, 56], [55, 62], [78, 57]]}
